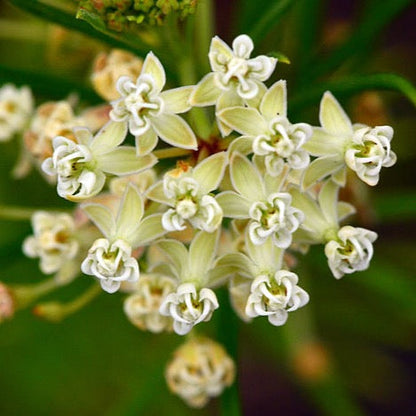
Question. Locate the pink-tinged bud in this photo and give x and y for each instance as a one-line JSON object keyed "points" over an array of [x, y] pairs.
{"points": [[7, 303]]}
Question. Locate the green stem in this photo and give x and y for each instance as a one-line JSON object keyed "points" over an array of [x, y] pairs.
{"points": [[16, 213], [228, 325], [182, 49], [84, 299], [204, 24], [25, 295], [56, 311]]}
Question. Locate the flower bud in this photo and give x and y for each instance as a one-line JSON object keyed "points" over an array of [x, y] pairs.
{"points": [[15, 109], [109, 67], [142, 307], [53, 240], [200, 369], [7, 303]]}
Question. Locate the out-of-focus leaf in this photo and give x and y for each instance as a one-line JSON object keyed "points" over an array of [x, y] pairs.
{"points": [[372, 23], [67, 20], [47, 84], [308, 16], [351, 85], [272, 12], [395, 206]]}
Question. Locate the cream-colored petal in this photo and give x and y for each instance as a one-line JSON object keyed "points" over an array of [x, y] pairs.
{"points": [[124, 161], [322, 143], [328, 198], [242, 144], [150, 229], [332, 116], [153, 67], [175, 131], [233, 205], [109, 137], [130, 212], [177, 254], [247, 121], [246, 179], [156, 193], [177, 100], [201, 254], [210, 172], [102, 217], [205, 93], [146, 142], [274, 101], [319, 169]]}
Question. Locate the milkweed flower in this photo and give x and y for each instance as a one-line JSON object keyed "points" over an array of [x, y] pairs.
{"points": [[274, 296], [151, 113], [235, 78], [110, 259], [263, 285], [192, 302], [199, 370], [339, 143], [351, 252], [16, 106], [260, 200], [81, 166], [54, 240], [187, 190], [268, 133], [142, 306]]}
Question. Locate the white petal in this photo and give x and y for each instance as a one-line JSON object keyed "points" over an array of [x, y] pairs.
{"points": [[210, 172], [247, 121], [124, 161], [246, 178], [102, 218], [130, 212], [206, 92], [177, 100], [333, 118], [153, 67], [201, 253], [175, 131], [274, 101], [109, 137]]}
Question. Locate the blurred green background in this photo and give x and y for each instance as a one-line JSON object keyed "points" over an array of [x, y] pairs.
{"points": [[351, 351]]}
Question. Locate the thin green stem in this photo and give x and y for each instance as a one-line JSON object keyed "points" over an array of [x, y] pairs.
{"points": [[228, 328], [16, 213], [25, 295], [84, 299]]}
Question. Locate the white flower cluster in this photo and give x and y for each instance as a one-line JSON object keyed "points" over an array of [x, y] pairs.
{"points": [[276, 184]]}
